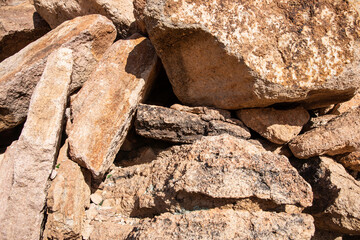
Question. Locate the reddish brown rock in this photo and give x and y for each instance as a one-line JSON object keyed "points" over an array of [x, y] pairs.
{"points": [[19, 26], [67, 198], [103, 109], [351, 104], [261, 52], [88, 37], [336, 196], [278, 126], [226, 224], [28, 162], [338, 136], [350, 161]]}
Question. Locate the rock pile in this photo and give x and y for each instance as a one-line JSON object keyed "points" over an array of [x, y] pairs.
{"points": [[262, 140]]}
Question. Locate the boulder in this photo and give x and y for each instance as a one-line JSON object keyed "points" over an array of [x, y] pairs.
{"points": [[120, 12], [226, 224], [19, 26], [185, 127], [340, 135], [350, 161], [336, 205], [88, 37], [212, 172], [236, 54], [104, 108], [28, 162], [278, 126], [67, 198], [351, 104]]}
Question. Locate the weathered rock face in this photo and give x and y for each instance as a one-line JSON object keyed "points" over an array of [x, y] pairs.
{"points": [[19, 26], [13, 2], [350, 161], [27, 163], [103, 109], [261, 52], [226, 224], [88, 37], [214, 171], [339, 135], [336, 196], [278, 126], [351, 104], [185, 127], [120, 12], [67, 198]]}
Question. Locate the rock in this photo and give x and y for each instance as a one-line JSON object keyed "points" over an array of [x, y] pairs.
{"points": [[336, 205], [350, 161], [212, 172], [104, 108], [28, 162], [351, 104], [326, 235], [261, 52], [13, 2], [88, 37], [316, 122], [67, 198], [338, 136], [19, 26], [272, 147], [120, 12], [139, 7], [96, 198], [278, 126], [117, 227], [226, 224], [184, 127]]}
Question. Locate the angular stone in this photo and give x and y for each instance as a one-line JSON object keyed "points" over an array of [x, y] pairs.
{"points": [[278, 126], [262, 52], [351, 104], [104, 108], [87, 36], [336, 196], [28, 162], [226, 224], [139, 7], [120, 12], [340, 135], [67, 198], [19, 26], [319, 121], [185, 126], [212, 172], [13, 2], [350, 161]]}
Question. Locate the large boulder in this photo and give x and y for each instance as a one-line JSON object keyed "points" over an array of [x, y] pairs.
{"points": [[28, 162], [88, 37], [243, 54]]}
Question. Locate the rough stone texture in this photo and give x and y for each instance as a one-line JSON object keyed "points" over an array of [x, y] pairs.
{"points": [[226, 224], [120, 12], [185, 127], [339, 135], [336, 204], [278, 126], [351, 104], [19, 26], [319, 121], [67, 198], [350, 161], [212, 172], [88, 37], [28, 162], [13, 2], [103, 109], [262, 52], [139, 7]]}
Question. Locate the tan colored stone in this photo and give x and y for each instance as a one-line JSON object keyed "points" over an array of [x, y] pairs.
{"points": [[340, 135], [104, 108], [28, 162], [237, 54], [226, 224], [88, 37], [67, 198], [336, 196], [350, 161], [120, 12], [96, 198], [14, 2], [181, 126], [351, 104], [19, 26], [278, 126], [319, 121], [139, 7]]}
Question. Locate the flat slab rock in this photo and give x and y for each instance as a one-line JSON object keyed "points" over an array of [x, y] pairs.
{"points": [[213, 171], [336, 196], [28, 162], [88, 37], [104, 108], [278, 126], [181, 125], [340, 135], [268, 52]]}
